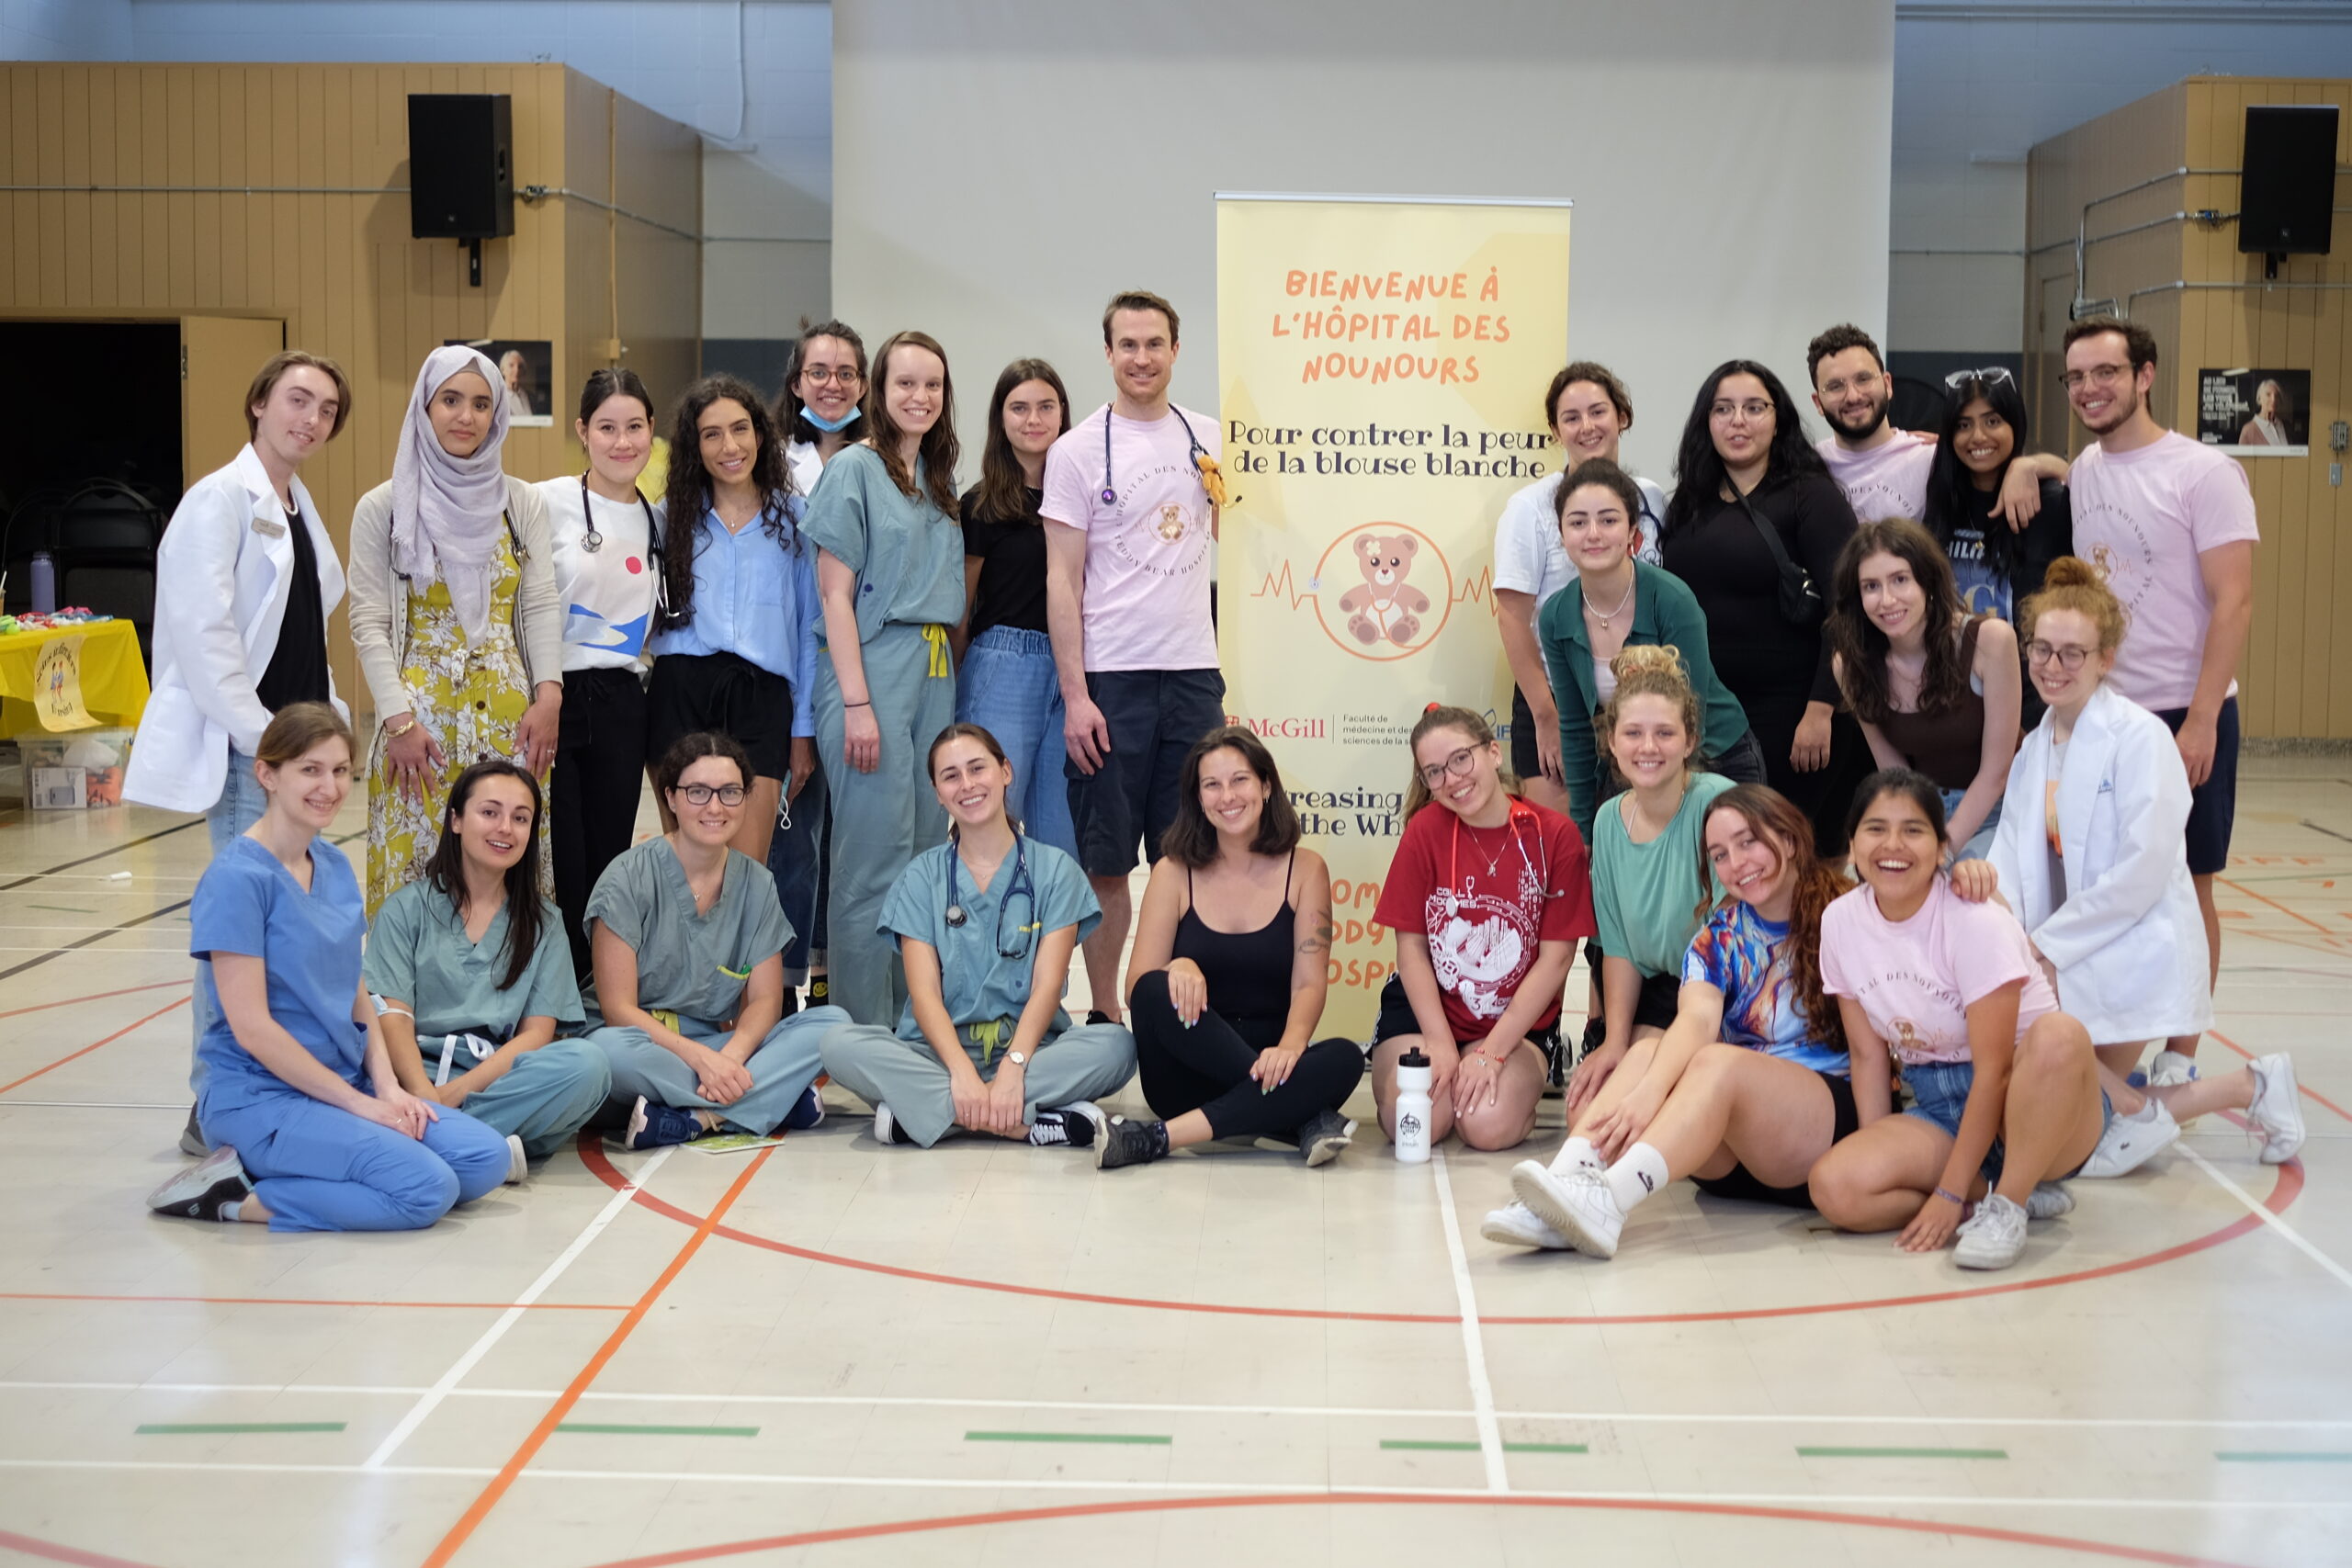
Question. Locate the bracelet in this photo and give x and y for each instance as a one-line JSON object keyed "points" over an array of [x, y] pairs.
{"points": [[403, 729], [867, 704], [1955, 1202]]}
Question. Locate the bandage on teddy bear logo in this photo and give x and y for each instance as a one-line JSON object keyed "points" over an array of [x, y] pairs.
{"points": [[1402, 593]]}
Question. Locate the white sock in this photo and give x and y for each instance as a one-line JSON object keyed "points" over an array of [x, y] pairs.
{"points": [[1641, 1172], [2147, 1111], [1574, 1153]]}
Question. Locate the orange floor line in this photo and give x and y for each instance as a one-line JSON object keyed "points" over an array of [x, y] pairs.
{"points": [[313, 1301], [2240, 887], [2309, 1092], [93, 996], [74, 1055]]}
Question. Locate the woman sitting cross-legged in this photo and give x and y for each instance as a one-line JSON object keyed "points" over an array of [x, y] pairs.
{"points": [[1749, 1085], [1228, 973], [310, 1127], [986, 924], [473, 975], [689, 941]]}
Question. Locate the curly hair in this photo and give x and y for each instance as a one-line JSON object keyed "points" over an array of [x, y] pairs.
{"points": [[1651, 670], [2074, 583], [690, 489]]}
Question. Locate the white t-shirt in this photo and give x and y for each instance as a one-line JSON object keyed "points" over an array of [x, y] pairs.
{"points": [[607, 594], [1148, 556], [1915, 978], [1529, 556], [1882, 481], [801, 457], [2144, 517]]}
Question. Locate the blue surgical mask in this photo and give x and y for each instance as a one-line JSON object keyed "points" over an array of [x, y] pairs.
{"points": [[829, 426]]}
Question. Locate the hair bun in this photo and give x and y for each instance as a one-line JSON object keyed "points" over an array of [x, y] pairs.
{"points": [[1663, 658], [2073, 571]]}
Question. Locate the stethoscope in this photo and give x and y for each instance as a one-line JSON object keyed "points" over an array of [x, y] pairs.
{"points": [[1110, 493], [1519, 812], [1022, 888], [593, 541]]}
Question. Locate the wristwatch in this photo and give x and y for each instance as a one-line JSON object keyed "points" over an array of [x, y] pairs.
{"points": [[1018, 1058]]}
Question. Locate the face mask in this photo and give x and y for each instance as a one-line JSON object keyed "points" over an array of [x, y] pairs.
{"points": [[829, 426]]}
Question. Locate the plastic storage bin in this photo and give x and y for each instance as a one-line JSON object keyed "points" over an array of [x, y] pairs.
{"points": [[70, 772]]}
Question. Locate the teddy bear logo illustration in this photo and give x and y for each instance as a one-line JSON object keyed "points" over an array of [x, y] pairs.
{"points": [[1171, 525], [1385, 607]]}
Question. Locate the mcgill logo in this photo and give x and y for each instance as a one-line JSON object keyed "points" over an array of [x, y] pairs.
{"points": [[1284, 729]]}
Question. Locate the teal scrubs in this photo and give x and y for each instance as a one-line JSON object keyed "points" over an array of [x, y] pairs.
{"points": [[985, 992], [419, 956], [909, 557], [694, 966]]}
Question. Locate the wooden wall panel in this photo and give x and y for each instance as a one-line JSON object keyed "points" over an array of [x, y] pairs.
{"points": [[325, 243]]}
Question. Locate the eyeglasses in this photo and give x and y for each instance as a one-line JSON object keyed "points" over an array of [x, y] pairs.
{"points": [[1754, 410], [1991, 374], [818, 374], [1459, 765], [2069, 658], [2097, 376], [699, 794]]}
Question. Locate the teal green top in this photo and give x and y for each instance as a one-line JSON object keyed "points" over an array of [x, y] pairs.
{"points": [[1646, 896], [908, 555], [985, 990], [419, 953], [693, 964], [1666, 615]]}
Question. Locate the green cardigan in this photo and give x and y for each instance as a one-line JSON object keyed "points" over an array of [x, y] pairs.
{"points": [[1665, 614]]}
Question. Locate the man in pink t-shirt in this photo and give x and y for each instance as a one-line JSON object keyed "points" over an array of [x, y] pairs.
{"points": [[1129, 534], [1883, 470], [2171, 522]]}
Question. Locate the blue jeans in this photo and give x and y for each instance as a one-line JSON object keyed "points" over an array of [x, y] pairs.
{"points": [[1980, 843], [239, 808], [796, 856], [1007, 686]]}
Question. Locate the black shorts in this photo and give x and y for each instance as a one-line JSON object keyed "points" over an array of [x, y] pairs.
{"points": [[1397, 1017], [726, 693], [1524, 759], [1155, 715], [1661, 999], [2213, 805], [1739, 1183]]}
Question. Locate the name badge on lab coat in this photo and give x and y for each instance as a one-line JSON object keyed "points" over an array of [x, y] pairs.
{"points": [[268, 528]]}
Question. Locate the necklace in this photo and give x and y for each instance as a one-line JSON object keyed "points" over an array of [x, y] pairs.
{"points": [[1638, 818], [1604, 620]]}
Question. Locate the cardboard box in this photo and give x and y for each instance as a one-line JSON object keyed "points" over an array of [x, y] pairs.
{"points": [[73, 771]]}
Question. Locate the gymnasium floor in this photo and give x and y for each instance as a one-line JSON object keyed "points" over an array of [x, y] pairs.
{"points": [[835, 1353]]}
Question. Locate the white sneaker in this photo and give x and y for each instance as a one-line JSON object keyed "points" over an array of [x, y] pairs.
{"points": [[2278, 1110], [2131, 1142], [1516, 1225], [2048, 1200], [886, 1126], [1993, 1237], [2169, 1068], [518, 1164], [1577, 1203]]}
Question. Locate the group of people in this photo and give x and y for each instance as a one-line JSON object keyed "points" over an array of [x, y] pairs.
{"points": [[912, 783]]}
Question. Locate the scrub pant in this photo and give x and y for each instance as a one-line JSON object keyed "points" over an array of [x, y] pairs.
{"points": [[319, 1168], [239, 806], [1082, 1063], [1009, 687], [796, 858], [782, 1068], [592, 793], [546, 1097], [882, 820]]}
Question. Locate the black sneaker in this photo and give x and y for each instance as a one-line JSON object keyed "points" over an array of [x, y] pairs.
{"points": [[1096, 1015], [652, 1126], [1130, 1142], [1077, 1126], [1324, 1136], [203, 1190], [192, 1142]]}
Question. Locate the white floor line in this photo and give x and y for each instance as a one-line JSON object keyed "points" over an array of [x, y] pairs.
{"points": [[1474, 1350], [512, 1315], [2254, 1206]]}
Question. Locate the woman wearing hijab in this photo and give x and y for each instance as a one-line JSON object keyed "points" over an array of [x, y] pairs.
{"points": [[454, 615]]}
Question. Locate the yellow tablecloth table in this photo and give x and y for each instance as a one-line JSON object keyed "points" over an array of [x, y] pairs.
{"points": [[101, 659]]}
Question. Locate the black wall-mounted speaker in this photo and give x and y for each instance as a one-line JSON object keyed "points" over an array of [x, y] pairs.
{"points": [[2286, 189], [461, 165]]}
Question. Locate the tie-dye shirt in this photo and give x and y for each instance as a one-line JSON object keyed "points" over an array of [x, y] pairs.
{"points": [[1744, 955]]}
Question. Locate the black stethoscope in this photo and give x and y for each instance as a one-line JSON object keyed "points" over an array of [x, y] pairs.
{"points": [[1022, 888], [1110, 493], [593, 541]]}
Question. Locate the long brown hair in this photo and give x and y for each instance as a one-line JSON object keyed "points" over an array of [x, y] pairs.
{"points": [[1774, 819], [1862, 647], [1191, 840], [1439, 715], [688, 492], [964, 730], [446, 872], [1002, 494], [939, 449]]}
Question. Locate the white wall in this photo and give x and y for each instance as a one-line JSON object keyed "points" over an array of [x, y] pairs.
{"points": [[1000, 171]]}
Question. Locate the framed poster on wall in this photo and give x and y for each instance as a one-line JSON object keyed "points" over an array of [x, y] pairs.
{"points": [[529, 365], [2256, 413]]}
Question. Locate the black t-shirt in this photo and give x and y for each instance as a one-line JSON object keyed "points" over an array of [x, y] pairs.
{"points": [[1012, 568], [297, 669], [1726, 565]]}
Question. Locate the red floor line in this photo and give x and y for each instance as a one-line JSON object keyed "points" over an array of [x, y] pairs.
{"points": [[1498, 1500], [2240, 887], [50, 1551], [73, 1055], [312, 1302], [93, 996], [2283, 1191], [2309, 1092]]}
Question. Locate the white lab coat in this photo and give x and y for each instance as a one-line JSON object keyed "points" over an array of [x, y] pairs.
{"points": [[221, 576], [2129, 942]]}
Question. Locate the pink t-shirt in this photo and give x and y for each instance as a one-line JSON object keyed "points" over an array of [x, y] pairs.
{"points": [[1148, 551], [2144, 517], [1883, 482], [1916, 977]]}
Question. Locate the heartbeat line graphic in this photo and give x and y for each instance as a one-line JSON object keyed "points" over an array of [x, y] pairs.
{"points": [[1477, 588], [1280, 584]]}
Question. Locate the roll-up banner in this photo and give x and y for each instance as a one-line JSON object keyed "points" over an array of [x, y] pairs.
{"points": [[1383, 361]]}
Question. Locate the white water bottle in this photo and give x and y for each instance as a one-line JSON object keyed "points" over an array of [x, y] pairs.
{"points": [[1413, 1078]]}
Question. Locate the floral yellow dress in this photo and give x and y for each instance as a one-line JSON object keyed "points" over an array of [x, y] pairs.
{"points": [[471, 697]]}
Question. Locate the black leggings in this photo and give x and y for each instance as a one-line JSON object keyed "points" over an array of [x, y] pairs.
{"points": [[1207, 1068], [592, 793]]}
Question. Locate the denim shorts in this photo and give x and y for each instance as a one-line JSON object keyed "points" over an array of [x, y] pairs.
{"points": [[1980, 843], [1940, 1093]]}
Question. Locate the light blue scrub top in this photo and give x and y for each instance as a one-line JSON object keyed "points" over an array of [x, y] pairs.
{"points": [[308, 941], [693, 964], [417, 951], [908, 555], [984, 990], [755, 596]]}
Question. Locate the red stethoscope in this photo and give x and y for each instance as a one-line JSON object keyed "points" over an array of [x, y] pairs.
{"points": [[1519, 812]]}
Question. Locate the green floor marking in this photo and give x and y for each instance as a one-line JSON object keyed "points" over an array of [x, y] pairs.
{"points": [[1066, 1437], [624, 1428], [188, 1429], [1806, 1452]]}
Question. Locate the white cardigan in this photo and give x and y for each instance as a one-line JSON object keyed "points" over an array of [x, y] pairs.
{"points": [[2128, 942], [222, 580]]}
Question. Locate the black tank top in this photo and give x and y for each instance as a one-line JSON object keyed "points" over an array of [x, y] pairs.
{"points": [[1249, 972]]}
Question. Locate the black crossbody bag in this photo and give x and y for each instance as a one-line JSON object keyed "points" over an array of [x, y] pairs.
{"points": [[1801, 601]]}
